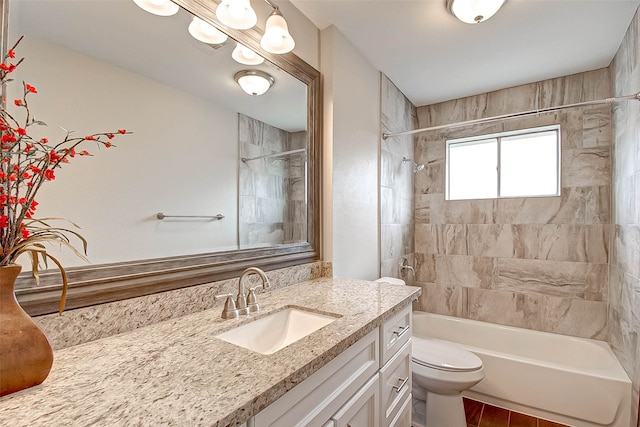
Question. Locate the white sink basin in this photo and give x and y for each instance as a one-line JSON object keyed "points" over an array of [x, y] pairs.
{"points": [[277, 330]]}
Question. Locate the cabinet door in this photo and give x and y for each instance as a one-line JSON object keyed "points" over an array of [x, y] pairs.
{"points": [[362, 409]]}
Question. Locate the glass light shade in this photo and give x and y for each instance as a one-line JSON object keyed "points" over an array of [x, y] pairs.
{"points": [[237, 14], [474, 11], [246, 56], [205, 32], [254, 82], [276, 38], [158, 7]]}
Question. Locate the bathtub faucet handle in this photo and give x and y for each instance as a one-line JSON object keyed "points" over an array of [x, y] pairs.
{"points": [[404, 266]]}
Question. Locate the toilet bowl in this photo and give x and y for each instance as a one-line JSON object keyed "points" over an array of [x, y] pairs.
{"points": [[441, 372]]}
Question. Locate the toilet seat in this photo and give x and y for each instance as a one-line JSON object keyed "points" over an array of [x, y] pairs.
{"points": [[440, 355]]}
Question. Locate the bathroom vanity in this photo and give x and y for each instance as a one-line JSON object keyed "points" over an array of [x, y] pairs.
{"points": [[178, 373]]}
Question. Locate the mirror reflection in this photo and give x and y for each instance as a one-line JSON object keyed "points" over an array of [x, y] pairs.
{"points": [[191, 122]]}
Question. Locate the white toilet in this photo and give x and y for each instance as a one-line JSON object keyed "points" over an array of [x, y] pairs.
{"points": [[441, 372]]}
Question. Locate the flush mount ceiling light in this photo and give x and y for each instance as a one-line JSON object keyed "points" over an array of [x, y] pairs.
{"points": [[205, 32], [254, 82], [158, 7], [474, 11], [276, 38], [246, 56], [237, 14]]}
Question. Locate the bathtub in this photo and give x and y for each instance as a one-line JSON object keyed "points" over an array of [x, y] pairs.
{"points": [[568, 380]]}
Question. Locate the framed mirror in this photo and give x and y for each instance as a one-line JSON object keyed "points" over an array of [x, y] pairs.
{"points": [[211, 181]]}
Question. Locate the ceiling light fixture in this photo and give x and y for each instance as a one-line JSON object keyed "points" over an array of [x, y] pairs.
{"points": [[474, 11], [246, 56], [276, 38], [205, 32], [158, 7], [254, 82], [237, 14]]}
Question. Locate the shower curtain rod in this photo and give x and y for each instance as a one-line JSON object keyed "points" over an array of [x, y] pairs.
{"points": [[514, 115]]}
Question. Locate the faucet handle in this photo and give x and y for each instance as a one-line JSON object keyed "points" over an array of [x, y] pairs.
{"points": [[230, 311], [252, 300]]}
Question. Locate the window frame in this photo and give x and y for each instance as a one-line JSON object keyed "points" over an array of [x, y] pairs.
{"points": [[476, 139]]}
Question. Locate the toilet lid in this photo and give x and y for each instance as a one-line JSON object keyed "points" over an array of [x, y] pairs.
{"points": [[442, 355]]}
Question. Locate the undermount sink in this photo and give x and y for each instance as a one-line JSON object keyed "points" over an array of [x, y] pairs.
{"points": [[275, 331]]}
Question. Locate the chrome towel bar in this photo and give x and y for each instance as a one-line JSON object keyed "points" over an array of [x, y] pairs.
{"points": [[160, 215]]}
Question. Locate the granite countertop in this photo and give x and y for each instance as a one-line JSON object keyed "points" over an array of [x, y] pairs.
{"points": [[177, 373]]}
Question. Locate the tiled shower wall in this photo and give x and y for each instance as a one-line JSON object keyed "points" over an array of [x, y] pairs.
{"points": [[273, 207], [538, 263], [624, 312], [396, 182]]}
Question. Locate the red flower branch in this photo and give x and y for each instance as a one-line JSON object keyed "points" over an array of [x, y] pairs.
{"points": [[26, 164]]}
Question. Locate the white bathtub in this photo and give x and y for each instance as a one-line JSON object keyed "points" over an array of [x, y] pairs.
{"points": [[568, 380]]}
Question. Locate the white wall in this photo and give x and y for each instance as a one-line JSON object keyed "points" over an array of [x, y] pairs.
{"points": [[351, 144], [174, 162]]}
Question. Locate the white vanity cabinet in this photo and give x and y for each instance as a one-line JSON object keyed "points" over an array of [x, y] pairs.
{"points": [[319, 398], [368, 385], [395, 371]]}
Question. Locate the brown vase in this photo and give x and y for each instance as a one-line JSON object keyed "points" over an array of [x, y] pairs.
{"points": [[25, 353]]}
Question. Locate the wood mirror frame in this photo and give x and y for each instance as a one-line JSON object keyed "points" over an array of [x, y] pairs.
{"points": [[97, 284]]}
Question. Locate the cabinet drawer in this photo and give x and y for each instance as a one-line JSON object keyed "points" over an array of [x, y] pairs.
{"points": [[395, 383], [403, 419], [394, 333], [315, 400]]}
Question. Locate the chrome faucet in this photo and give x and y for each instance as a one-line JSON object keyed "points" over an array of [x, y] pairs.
{"points": [[244, 304]]}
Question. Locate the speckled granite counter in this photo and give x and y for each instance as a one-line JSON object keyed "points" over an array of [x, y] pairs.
{"points": [[177, 373]]}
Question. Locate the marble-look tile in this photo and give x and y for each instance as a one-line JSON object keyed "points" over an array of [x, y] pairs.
{"points": [[505, 308], [627, 243], [493, 240], [586, 166], [598, 204], [425, 266], [568, 208], [391, 241], [389, 206], [586, 319], [447, 239], [441, 300], [431, 179], [626, 200], [464, 271], [564, 242], [396, 110], [437, 210], [566, 279], [597, 131]]}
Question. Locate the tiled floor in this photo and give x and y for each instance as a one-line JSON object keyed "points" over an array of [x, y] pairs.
{"points": [[484, 415]]}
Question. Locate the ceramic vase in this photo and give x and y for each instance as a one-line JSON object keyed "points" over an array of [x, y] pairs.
{"points": [[25, 353]]}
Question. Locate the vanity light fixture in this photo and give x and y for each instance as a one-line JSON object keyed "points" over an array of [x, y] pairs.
{"points": [[205, 32], [276, 38], [254, 82], [237, 14], [158, 7], [246, 56], [474, 11]]}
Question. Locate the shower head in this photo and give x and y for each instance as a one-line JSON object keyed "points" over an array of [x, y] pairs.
{"points": [[417, 167]]}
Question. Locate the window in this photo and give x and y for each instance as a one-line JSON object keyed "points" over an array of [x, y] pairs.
{"points": [[523, 163]]}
